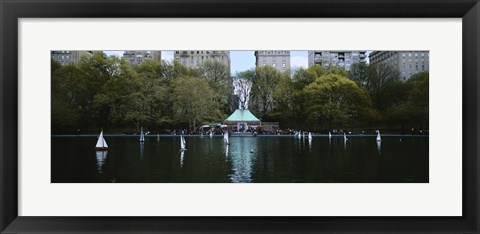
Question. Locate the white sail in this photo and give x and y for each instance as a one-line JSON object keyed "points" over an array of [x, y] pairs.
{"points": [[345, 136], [379, 138], [329, 135], [182, 143], [225, 137], [101, 143], [310, 136], [142, 137], [211, 134]]}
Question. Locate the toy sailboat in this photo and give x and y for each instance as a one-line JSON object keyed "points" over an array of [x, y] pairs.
{"points": [[142, 136], [101, 143], [182, 143]]}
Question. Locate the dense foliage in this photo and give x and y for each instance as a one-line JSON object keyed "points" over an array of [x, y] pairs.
{"points": [[107, 92]]}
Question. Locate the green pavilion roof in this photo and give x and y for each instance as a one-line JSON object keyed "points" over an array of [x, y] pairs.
{"points": [[242, 116]]}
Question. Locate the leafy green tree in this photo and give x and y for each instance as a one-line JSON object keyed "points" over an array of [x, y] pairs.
{"points": [[411, 108], [418, 98], [216, 74], [218, 78], [154, 92], [359, 73], [381, 77], [193, 101], [64, 113], [291, 95], [180, 70], [334, 100], [263, 86], [96, 72]]}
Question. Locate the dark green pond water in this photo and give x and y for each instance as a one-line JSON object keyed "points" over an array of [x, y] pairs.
{"points": [[262, 159]]}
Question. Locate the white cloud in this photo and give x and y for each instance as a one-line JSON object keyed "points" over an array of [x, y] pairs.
{"points": [[298, 61]]}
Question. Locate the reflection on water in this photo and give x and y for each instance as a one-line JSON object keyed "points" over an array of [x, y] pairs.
{"points": [[182, 154], [259, 159], [242, 156], [142, 148], [101, 158], [310, 145]]}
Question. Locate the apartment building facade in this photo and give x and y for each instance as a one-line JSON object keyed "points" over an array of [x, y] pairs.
{"points": [[195, 58], [69, 56], [407, 62], [279, 59], [140, 56], [343, 59]]}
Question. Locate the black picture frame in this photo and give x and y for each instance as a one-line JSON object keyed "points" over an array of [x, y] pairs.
{"points": [[11, 11]]}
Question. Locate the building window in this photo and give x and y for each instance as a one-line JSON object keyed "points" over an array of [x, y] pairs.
{"points": [[274, 65], [263, 64], [284, 65]]}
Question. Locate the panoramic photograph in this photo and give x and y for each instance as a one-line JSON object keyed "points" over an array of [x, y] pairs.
{"points": [[273, 116]]}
